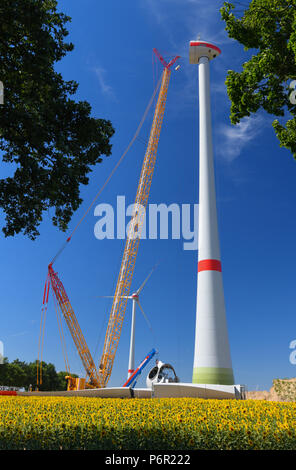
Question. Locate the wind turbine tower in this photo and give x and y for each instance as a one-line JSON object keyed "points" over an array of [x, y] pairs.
{"points": [[136, 301], [135, 297], [212, 360]]}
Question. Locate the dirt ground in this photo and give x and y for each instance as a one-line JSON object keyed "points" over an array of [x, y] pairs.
{"points": [[263, 395], [269, 395]]}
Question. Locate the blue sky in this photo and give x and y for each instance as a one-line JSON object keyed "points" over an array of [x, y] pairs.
{"points": [[256, 197]]}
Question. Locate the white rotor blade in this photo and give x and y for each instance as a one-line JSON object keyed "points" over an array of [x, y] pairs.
{"points": [[141, 287], [105, 297], [145, 316], [112, 297]]}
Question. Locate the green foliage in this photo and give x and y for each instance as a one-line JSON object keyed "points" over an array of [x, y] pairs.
{"points": [[22, 374], [49, 140], [268, 27], [285, 389]]}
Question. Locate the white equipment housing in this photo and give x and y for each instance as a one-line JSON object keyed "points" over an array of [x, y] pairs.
{"points": [[161, 373], [200, 49]]}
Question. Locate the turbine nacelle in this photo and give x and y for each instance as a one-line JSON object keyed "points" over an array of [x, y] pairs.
{"points": [[198, 49], [161, 373]]}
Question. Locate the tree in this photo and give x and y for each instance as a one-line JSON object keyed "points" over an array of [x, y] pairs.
{"points": [[21, 374], [269, 27], [49, 141], [4, 372]]}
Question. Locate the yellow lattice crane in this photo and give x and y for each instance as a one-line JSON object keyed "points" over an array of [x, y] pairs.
{"points": [[134, 234], [75, 330], [99, 377]]}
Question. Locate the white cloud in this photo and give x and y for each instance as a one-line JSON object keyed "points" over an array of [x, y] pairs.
{"points": [[21, 333], [106, 89], [182, 21], [219, 87], [234, 138], [198, 17]]}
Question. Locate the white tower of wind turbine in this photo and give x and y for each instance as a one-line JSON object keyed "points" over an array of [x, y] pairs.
{"points": [[212, 361], [135, 297], [136, 301]]}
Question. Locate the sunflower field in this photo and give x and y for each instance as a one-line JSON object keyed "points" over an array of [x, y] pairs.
{"points": [[151, 424]]}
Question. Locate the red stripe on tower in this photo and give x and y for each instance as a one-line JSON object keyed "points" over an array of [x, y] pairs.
{"points": [[209, 265]]}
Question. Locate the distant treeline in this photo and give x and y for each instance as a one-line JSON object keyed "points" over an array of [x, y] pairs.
{"points": [[22, 374]]}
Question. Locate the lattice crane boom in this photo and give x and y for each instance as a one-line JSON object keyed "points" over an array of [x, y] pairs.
{"points": [[132, 242], [74, 328], [99, 377]]}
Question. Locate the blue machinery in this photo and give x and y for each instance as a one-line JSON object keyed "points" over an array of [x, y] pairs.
{"points": [[131, 382]]}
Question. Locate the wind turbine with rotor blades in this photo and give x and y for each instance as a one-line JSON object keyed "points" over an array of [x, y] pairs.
{"points": [[135, 297]]}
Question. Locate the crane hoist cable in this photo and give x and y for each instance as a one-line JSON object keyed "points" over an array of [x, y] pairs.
{"points": [[41, 332], [101, 377], [62, 337], [134, 234], [112, 172], [48, 280]]}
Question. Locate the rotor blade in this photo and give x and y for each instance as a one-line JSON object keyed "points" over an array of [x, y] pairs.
{"points": [[145, 316], [105, 297], [141, 287], [112, 297]]}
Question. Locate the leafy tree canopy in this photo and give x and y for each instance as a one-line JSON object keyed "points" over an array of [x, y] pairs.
{"points": [[49, 141], [22, 374], [269, 26]]}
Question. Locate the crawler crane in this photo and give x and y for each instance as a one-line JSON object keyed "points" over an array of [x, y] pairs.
{"points": [[99, 377], [132, 242]]}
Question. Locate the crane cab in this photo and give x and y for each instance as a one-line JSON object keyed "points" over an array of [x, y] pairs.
{"points": [[75, 383]]}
